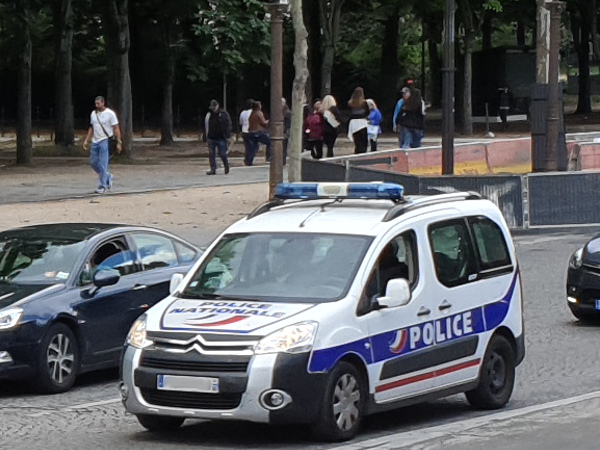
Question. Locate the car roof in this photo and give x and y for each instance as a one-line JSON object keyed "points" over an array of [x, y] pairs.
{"points": [[356, 217], [75, 232]]}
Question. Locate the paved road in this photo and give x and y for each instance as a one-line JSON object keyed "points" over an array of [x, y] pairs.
{"points": [[562, 362]]}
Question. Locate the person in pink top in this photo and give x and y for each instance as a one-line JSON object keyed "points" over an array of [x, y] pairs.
{"points": [[313, 126]]}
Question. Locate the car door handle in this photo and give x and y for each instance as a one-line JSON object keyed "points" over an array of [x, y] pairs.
{"points": [[445, 305], [139, 287], [424, 311]]}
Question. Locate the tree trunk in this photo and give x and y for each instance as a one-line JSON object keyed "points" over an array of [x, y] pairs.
{"points": [[298, 91], [116, 23], [330, 12], [390, 68], [594, 28], [24, 143], [310, 9], [584, 103], [521, 34], [166, 135], [64, 127], [487, 30], [467, 103], [435, 65]]}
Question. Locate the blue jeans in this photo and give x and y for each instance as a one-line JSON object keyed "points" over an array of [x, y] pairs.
{"points": [[249, 149], [411, 137], [219, 145], [261, 137], [99, 161]]}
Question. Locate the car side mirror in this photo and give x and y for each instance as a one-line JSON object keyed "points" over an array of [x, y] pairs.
{"points": [[397, 293], [176, 280], [104, 278]]}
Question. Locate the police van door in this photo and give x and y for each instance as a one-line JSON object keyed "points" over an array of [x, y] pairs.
{"points": [[397, 371], [473, 269]]}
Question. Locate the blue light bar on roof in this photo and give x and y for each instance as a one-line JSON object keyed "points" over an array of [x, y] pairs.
{"points": [[313, 191]]}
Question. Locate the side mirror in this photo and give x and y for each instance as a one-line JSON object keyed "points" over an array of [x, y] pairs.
{"points": [[397, 293], [104, 278], [176, 280]]}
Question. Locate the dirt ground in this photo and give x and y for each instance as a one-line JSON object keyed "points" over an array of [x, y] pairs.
{"points": [[197, 214]]}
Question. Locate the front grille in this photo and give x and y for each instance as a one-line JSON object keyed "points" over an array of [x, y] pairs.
{"points": [[194, 366], [191, 400], [589, 296]]}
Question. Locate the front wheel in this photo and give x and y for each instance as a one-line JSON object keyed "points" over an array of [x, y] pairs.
{"points": [[58, 360], [496, 376], [159, 423], [342, 408]]}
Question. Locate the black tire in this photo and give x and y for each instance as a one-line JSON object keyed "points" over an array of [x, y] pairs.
{"points": [[58, 360], [345, 388], [496, 376], [160, 424]]}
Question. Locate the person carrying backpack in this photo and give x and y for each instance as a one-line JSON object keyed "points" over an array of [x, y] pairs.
{"points": [[217, 126]]}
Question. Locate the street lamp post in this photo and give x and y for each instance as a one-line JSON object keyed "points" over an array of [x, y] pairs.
{"points": [[275, 9], [448, 88]]}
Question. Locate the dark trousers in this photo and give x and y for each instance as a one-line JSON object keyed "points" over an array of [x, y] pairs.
{"points": [[261, 137], [373, 145], [361, 141], [220, 146], [249, 150], [329, 140], [316, 148], [286, 142]]}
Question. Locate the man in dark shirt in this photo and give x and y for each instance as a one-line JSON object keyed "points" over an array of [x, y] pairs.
{"points": [[218, 129]]}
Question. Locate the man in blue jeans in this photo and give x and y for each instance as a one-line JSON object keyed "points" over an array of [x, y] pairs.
{"points": [[217, 128], [103, 126]]}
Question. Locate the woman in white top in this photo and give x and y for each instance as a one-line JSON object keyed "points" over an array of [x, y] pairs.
{"points": [[249, 151], [331, 122]]}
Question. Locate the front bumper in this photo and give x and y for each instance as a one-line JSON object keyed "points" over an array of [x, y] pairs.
{"points": [[22, 361], [583, 286], [240, 391]]}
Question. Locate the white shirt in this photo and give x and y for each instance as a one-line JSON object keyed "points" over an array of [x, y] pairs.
{"points": [[245, 120], [108, 119]]}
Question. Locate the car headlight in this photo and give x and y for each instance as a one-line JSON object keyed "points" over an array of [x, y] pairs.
{"points": [[296, 338], [137, 335], [10, 317], [576, 259]]}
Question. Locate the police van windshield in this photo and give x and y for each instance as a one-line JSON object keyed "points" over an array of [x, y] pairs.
{"points": [[279, 267]]}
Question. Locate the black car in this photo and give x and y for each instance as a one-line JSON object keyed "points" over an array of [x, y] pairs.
{"points": [[70, 292], [583, 281]]}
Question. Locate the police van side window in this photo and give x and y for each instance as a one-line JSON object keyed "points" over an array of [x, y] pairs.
{"points": [[398, 259], [453, 253], [494, 258]]}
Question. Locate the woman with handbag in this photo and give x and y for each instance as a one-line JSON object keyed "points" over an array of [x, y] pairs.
{"points": [[104, 127]]}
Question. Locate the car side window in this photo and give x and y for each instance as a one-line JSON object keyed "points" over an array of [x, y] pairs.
{"points": [[453, 253], [186, 254], [398, 259], [491, 246], [111, 255], [155, 251]]}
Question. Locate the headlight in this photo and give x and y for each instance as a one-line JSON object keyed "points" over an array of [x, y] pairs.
{"points": [[137, 335], [576, 259], [297, 338], [10, 317]]}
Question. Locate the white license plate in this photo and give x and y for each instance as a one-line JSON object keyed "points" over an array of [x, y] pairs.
{"points": [[187, 384], [598, 304]]}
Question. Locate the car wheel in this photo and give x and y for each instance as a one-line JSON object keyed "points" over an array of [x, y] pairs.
{"points": [[343, 406], [496, 376], [159, 423], [58, 362]]}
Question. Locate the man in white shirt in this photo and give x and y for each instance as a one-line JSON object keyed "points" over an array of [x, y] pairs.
{"points": [[103, 126], [244, 124]]}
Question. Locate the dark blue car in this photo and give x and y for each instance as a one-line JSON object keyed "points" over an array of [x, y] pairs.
{"points": [[70, 292]]}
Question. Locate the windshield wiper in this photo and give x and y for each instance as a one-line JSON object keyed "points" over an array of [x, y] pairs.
{"points": [[203, 295]]}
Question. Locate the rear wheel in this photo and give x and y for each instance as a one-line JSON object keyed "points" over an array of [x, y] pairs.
{"points": [[159, 423], [496, 376], [342, 408], [58, 360]]}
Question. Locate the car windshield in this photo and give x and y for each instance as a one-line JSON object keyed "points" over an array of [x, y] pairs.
{"points": [[37, 260], [279, 267]]}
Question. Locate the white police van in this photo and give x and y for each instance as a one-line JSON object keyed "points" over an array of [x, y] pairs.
{"points": [[333, 302]]}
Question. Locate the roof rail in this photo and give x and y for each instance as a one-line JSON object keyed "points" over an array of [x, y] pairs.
{"points": [[400, 209]]}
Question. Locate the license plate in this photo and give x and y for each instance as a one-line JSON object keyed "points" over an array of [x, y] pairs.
{"points": [[598, 304], [187, 384]]}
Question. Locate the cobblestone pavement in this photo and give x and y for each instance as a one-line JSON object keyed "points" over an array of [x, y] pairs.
{"points": [[563, 361]]}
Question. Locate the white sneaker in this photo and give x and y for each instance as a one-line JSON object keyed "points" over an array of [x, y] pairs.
{"points": [[100, 190]]}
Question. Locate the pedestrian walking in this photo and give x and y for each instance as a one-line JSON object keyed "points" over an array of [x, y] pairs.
{"points": [[357, 127], [409, 118], [331, 123], [246, 138], [104, 126], [505, 103], [217, 126], [257, 127], [287, 127], [314, 131], [374, 127]]}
